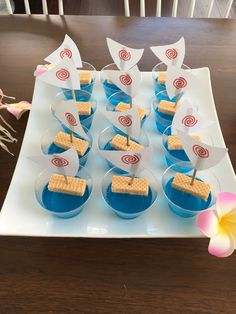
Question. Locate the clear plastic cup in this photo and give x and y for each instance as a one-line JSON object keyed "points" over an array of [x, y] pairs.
{"points": [[109, 87], [86, 67], [129, 206], [60, 204], [49, 148], [161, 67], [184, 204], [107, 135], [85, 120], [175, 157], [120, 96]]}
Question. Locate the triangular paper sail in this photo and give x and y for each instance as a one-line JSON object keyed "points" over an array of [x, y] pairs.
{"points": [[128, 81], [69, 49], [187, 119], [63, 75], [201, 155], [179, 81], [133, 162], [171, 54], [66, 111], [127, 121], [66, 163], [124, 57]]}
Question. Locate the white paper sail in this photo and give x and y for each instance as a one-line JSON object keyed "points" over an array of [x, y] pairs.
{"points": [[171, 54], [201, 155], [127, 121], [69, 49], [63, 75], [179, 81], [133, 162], [188, 119], [127, 81], [124, 57], [66, 111], [66, 163]]}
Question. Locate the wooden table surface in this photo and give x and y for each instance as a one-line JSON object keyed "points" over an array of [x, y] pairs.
{"points": [[51, 275]]}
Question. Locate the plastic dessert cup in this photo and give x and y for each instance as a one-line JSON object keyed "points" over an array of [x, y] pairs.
{"points": [[163, 120], [48, 147], [85, 120], [107, 135], [86, 67], [186, 205], [109, 87], [60, 204], [125, 205], [120, 96], [160, 67]]}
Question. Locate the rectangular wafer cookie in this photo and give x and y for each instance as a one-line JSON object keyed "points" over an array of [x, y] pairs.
{"points": [[167, 107], [120, 184], [174, 143], [119, 142], [200, 189], [161, 77], [68, 185], [84, 108], [85, 77], [62, 140], [122, 106]]}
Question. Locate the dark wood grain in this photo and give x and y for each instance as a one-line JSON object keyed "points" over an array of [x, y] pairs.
{"points": [[114, 276]]}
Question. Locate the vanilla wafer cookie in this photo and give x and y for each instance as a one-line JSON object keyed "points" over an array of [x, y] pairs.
{"points": [[167, 107], [119, 142], [174, 143], [200, 189], [68, 185], [62, 140], [84, 108], [120, 184], [85, 77], [122, 106], [161, 77]]}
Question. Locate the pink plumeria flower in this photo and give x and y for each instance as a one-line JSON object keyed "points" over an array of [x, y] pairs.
{"points": [[41, 69], [220, 225], [19, 108]]}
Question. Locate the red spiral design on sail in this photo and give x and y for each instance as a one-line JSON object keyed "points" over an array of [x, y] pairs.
{"points": [[189, 121], [63, 74], [66, 52], [180, 82], [125, 121], [200, 151], [124, 55], [171, 53], [60, 162], [70, 118], [125, 79], [130, 159]]}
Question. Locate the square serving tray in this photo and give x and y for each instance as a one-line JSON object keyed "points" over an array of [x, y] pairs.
{"points": [[21, 215]]}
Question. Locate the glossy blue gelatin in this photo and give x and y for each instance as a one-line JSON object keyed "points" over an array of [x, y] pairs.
{"points": [[128, 206], [109, 88], [54, 149], [63, 205], [185, 201], [78, 95], [159, 87]]}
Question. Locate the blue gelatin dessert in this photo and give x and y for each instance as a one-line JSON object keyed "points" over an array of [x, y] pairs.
{"points": [[110, 88]]}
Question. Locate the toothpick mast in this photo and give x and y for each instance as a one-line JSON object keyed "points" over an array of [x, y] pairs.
{"points": [[131, 180], [71, 132], [193, 176], [131, 106]]}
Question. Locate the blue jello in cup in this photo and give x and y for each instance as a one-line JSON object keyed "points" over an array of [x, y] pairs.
{"points": [[106, 136], [49, 148], [161, 67], [121, 97], [85, 120], [86, 67], [184, 204], [60, 204], [129, 206], [109, 87]]}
